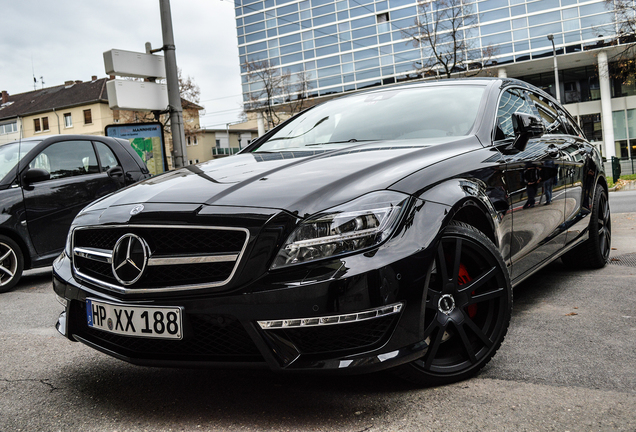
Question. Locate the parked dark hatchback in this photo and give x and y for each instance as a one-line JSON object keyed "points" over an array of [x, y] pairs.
{"points": [[56, 177], [380, 230]]}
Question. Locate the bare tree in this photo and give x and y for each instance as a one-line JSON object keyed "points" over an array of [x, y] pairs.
{"points": [[297, 101], [443, 30], [268, 88], [275, 92], [623, 65], [188, 89]]}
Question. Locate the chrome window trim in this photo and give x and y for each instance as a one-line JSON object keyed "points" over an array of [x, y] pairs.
{"points": [[100, 255]]}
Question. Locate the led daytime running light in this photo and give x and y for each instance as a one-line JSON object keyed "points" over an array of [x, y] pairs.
{"points": [[334, 238], [332, 319]]}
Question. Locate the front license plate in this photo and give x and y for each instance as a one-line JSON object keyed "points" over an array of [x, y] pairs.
{"points": [[159, 322]]}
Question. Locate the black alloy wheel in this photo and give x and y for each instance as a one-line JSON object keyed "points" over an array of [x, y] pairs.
{"points": [[468, 308], [594, 252], [11, 263]]}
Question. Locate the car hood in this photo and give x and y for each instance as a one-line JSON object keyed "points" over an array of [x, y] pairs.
{"points": [[301, 182]]}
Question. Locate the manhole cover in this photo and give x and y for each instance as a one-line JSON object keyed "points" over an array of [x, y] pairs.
{"points": [[627, 260]]}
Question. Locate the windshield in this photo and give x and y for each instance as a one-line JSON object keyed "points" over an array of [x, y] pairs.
{"points": [[397, 114], [9, 155]]}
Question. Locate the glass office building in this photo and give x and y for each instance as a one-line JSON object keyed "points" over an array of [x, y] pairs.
{"points": [[352, 44], [345, 45]]}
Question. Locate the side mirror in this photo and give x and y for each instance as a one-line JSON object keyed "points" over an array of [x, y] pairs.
{"points": [[526, 126], [35, 175]]}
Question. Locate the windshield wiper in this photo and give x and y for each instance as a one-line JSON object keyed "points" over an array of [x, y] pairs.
{"points": [[352, 140]]}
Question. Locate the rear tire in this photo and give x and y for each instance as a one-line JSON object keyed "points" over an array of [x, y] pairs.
{"points": [[468, 308], [594, 252], [11, 263]]}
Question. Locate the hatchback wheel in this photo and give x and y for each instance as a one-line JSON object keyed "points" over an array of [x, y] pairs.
{"points": [[468, 308], [11, 263]]}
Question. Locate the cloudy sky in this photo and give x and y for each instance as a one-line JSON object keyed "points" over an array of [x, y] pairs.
{"points": [[61, 40]]}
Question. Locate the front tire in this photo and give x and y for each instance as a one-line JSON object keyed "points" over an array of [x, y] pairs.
{"points": [[11, 263], [468, 308], [594, 252]]}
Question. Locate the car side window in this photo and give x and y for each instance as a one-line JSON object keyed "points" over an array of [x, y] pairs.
{"points": [[511, 101], [551, 119], [569, 124], [67, 159], [106, 156]]}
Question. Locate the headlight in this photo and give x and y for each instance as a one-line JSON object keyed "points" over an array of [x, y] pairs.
{"points": [[359, 224]]}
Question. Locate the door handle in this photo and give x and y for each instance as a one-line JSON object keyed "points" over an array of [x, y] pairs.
{"points": [[115, 172]]}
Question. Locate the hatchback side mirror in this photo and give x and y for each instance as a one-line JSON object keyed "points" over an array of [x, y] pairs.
{"points": [[34, 175], [526, 126]]}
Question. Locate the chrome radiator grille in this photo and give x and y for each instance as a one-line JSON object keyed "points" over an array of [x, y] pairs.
{"points": [[157, 258]]}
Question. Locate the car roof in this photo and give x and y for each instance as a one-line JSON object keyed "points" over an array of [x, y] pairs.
{"points": [[485, 81], [62, 137]]}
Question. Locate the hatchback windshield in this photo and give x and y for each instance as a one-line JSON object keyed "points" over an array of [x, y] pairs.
{"points": [[9, 155], [397, 114]]}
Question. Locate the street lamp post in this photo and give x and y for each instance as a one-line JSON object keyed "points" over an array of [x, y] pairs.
{"points": [[556, 69]]}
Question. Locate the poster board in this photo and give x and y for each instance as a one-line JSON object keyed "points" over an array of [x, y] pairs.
{"points": [[146, 139]]}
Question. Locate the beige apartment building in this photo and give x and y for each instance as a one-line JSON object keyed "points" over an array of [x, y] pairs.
{"points": [[216, 143], [76, 107], [81, 107]]}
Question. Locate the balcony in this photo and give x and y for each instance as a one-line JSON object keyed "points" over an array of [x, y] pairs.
{"points": [[221, 152]]}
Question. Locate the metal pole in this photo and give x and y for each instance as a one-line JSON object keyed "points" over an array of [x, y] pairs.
{"points": [[172, 79], [556, 69]]}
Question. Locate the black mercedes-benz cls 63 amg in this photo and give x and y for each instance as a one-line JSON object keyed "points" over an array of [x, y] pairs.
{"points": [[384, 229]]}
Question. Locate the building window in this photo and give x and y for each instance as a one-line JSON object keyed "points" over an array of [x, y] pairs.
{"points": [[218, 143], [189, 143], [8, 127], [36, 125], [195, 142], [592, 128], [45, 123], [68, 120], [383, 22], [88, 118]]}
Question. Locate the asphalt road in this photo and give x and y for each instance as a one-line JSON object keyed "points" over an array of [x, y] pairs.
{"points": [[568, 363], [623, 201]]}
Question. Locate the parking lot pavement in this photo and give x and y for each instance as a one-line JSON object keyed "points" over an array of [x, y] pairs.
{"points": [[567, 364], [623, 234]]}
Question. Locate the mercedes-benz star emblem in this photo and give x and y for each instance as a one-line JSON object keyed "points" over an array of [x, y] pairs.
{"points": [[446, 304], [129, 259], [137, 209]]}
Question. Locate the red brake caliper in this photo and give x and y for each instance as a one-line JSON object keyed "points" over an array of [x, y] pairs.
{"points": [[464, 278]]}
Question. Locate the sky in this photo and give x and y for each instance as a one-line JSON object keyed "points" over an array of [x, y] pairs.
{"points": [[63, 40]]}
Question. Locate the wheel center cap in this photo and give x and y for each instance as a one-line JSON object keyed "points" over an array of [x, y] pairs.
{"points": [[446, 304]]}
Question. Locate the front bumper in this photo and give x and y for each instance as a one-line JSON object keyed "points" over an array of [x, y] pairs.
{"points": [[359, 324]]}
